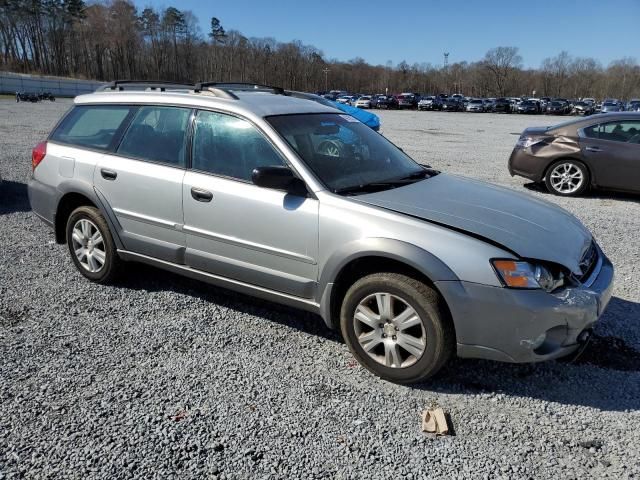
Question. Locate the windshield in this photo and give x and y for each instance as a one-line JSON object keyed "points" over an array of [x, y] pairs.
{"points": [[609, 104], [476, 101], [343, 152]]}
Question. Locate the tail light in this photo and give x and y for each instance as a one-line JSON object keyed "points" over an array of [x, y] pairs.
{"points": [[38, 153]]}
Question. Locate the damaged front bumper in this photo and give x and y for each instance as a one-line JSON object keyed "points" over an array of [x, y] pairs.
{"points": [[526, 325]]}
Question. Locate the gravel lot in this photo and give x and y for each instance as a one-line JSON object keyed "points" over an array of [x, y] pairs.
{"points": [[163, 377]]}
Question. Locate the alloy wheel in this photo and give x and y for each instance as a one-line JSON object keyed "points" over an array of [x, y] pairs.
{"points": [[389, 330], [88, 245], [566, 178]]}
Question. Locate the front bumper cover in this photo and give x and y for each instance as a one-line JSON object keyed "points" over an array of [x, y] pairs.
{"points": [[507, 325]]}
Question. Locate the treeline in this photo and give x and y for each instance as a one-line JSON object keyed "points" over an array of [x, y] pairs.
{"points": [[112, 39]]}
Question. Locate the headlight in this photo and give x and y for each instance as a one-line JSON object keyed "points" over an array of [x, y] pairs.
{"points": [[527, 275], [524, 141]]}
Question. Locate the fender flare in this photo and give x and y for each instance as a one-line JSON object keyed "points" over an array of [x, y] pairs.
{"points": [[411, 255], [88, 190]]}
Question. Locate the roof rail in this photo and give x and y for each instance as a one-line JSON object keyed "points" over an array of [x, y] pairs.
{"points": [[243, 86], [161, 85]]}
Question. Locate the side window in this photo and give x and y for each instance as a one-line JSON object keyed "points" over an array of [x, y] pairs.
{"points": [[229, 146], [628, 131], [93, 126], [592, 131], [157, 134]]}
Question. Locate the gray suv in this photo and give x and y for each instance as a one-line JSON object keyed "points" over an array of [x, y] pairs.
{"points": [[255, 190]]}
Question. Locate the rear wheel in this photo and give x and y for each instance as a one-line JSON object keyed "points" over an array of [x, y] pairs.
{"points": [[397, 327], [91, 246], [567, 178]]}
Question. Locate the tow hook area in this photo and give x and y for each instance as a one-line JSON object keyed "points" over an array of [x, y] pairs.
{"points": [[583, 342]]}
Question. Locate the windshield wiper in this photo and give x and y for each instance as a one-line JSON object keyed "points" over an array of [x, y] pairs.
{"points": [[392, 183]]}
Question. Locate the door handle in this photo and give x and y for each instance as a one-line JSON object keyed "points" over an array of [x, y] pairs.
{"points": [[201, 195], [108, 174], [593, 149]]}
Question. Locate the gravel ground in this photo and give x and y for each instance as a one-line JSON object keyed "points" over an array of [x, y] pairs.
{"points": [[163, 377]]}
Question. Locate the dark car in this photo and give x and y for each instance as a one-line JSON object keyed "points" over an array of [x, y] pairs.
{"points": [[407, 101], [502, 105], [529, 106], [583, 108], [452, 105], [28, 97], [557, 108], [47, 96], [599, 151]]}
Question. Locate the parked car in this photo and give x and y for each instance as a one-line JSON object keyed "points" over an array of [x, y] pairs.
{"points": [[475, 105], [609, 106], [346, 99], [502, 105], [28, 97], [47, 96], [370, 119], [388, 102], [529, 106], [598, 151], [476, 273], [407, 101], [557, 108], [452, 104], [426, 103], [633, 105], [583, 108], [488, 104], [363, 102], [378, 101]]}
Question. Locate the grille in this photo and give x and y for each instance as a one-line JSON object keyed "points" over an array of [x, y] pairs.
{"points": [[588, 262]]}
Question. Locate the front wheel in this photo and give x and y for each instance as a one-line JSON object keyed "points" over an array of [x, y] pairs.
{"points": [[397, 327], [91, 246], [567, 178]]}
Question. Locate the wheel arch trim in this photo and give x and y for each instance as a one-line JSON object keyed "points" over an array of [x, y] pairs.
{"points": [[402, 252]]}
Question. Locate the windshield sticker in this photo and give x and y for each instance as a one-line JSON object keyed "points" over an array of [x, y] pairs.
{"points": [[349, 118]]}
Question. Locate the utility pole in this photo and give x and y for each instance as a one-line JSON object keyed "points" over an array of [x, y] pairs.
{"points": [[446, 70], [326, 82]]}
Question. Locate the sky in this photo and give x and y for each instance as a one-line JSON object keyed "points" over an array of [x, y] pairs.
{"points": [[421, 31]]}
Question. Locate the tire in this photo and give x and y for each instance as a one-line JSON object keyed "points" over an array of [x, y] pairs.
{"points": [[571, 167], [86, 222], [433, 326]]}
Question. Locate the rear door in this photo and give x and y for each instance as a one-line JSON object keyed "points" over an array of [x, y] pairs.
{"points": [[612, 150], [142, 182], [233, 228]]}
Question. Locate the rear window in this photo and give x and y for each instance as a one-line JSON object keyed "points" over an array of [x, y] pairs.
{"points": [[157, 134], [92, 126]]}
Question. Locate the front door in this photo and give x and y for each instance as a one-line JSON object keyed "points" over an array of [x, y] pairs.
{"points": [[613, 152], [235, 229]]}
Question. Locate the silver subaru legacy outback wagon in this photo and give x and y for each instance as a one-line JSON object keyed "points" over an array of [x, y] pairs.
{"points": [[283, 198]]}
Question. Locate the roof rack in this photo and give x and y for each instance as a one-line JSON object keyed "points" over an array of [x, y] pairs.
{"points": [[242, 86], [120, 85]]}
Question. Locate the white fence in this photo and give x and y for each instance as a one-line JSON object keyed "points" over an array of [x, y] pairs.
{"points": [[60, 87]]}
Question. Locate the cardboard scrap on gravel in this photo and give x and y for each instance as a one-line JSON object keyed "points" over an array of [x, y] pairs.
{"points": [[435, 421]]}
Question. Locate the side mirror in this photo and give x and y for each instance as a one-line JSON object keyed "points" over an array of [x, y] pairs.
{"points": [[278, 178]]}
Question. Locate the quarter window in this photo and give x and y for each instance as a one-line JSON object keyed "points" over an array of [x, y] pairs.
{"points": [[230, 146], [92, 126], [157, 134]]}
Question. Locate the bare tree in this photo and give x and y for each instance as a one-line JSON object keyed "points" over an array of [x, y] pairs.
{"points": [[502, 62]]}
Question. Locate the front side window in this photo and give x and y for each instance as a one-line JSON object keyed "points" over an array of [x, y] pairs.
{"points": [[592, 131], [92, 126], [343, 152], [157, 134], [230, 146]]}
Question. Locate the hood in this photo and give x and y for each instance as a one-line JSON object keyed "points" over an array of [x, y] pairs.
{"points": [[529, 227]]}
